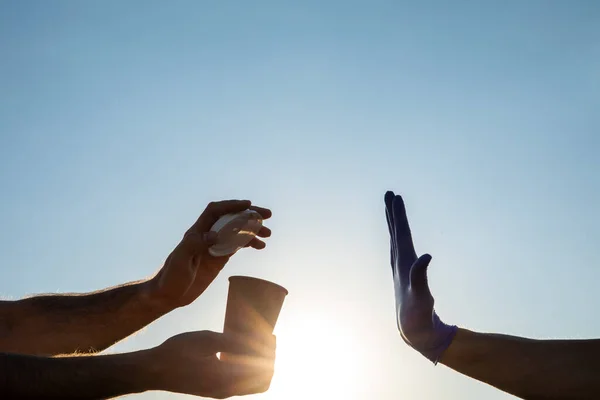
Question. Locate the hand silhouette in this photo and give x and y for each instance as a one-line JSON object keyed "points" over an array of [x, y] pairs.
{"points": [[418, 323]]}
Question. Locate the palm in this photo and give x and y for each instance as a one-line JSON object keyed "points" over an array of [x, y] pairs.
{"points": [[415, 317]]}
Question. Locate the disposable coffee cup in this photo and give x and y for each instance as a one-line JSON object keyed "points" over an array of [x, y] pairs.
{"points": [[253, 307]]}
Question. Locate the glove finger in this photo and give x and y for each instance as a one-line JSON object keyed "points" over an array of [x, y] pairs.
{"points": [[404, 244], [418, 274], [389, 201]]}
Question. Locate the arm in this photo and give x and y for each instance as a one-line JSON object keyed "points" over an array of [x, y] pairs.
{"points": [[186, 363], [64, 324], [89, 377], [530, 369]]}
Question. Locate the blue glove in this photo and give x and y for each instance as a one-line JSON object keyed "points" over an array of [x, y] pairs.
{"points": [[419, 325]]}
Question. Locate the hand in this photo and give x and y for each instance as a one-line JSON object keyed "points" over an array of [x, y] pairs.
{"points": [[419, 325], [190, 269], [188, 363]]}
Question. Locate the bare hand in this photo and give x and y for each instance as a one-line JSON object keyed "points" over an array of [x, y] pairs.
{"points": [[188, 363], [190, 269]]}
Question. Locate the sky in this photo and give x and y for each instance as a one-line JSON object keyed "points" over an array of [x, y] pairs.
{"points": [[121, 120]]}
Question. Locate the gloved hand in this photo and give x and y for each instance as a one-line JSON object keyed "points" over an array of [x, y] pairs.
{"points": [[419, 325]]}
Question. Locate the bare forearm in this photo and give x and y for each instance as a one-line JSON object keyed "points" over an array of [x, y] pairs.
{"points": [[64, 324], [89, 377], [530, 369]]}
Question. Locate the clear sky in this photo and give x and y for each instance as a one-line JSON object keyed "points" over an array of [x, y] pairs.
{"points": [[120, 120]]}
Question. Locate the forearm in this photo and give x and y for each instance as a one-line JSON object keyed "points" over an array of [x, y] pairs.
{"points": [[88, 377], [530, 369], [64, 324]]}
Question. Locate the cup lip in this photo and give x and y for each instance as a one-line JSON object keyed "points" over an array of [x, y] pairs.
{"points": [[251, 278]]}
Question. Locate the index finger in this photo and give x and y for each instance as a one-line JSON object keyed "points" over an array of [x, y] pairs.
{"points": [[264, 212], [216, 210]]}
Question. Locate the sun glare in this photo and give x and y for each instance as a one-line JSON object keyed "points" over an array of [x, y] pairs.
{"points": [[317, 359]]}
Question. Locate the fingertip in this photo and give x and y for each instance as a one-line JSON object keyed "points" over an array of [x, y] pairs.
{"points": [[398, 200], [398, 206], [257, 244], [423, 261], [389, 196], [264, 232], [264, 212]]}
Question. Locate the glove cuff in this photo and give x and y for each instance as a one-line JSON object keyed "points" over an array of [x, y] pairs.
{"points": [[446, 333]]}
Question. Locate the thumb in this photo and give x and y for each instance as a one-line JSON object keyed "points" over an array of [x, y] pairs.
{"points": [[418, 273]]}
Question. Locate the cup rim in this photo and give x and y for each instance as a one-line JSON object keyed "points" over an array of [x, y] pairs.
{"points": [[251, 278]]}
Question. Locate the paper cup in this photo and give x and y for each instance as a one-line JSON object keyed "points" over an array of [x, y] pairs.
{"points": [[253, 307]]}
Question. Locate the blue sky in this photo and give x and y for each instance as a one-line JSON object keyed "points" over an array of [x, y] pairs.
{"points": [[119, 121]]}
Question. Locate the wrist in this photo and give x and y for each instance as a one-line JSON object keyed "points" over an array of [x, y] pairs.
{"points": [[432, 341], [148, 374], [446, 335], [151, 296], [155, 369]]}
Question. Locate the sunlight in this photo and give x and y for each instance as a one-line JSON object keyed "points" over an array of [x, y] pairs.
{"points": [[316, 358]]}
